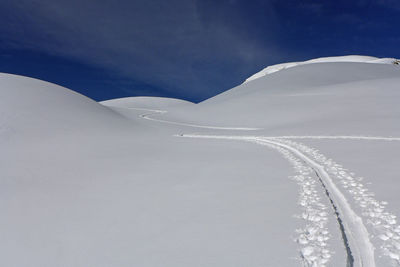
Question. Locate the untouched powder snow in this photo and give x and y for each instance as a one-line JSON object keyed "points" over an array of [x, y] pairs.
{"points": [[36, 109], [156, 182], [352, 58]]}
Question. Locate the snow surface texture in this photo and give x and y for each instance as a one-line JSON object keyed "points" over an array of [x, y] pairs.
{"points": [[163, 182]]}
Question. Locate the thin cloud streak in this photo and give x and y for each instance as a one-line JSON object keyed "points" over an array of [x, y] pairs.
{"points": [[169, 44]]}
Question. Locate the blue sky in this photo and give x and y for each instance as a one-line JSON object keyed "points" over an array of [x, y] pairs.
{"points": [[190, 49]]}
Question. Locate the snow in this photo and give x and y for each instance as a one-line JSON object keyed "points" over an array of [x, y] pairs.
{"points": [[145, 102], [290, 169], [351, 58]]}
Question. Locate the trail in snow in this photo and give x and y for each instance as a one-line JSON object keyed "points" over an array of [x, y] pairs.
{"points": [[313, 237], [356, 233], [350, 137], [384, 224], [357, 240], [147, 116], [350, 258]]}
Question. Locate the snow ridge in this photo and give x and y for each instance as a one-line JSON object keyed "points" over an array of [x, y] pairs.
{"points": [[351, 58]]}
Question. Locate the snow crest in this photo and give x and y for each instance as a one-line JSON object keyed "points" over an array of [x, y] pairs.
{"points": [[352, 58]]}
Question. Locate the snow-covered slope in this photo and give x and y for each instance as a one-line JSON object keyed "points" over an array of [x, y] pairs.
{"points": [[34, 108], [296, 168], [310, 99], [352, 58], [83, 186]]}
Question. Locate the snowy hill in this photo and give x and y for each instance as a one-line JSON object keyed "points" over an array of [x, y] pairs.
{"points": [[306, 99], [36, 108], [295, 168]]}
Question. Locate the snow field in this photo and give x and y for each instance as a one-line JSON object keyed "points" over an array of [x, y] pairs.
{"points": [[89, 184]]}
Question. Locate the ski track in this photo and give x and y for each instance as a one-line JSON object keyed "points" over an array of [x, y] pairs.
{"points": [[361, 247], [350, 137], [356, 232], [384, 224], [312, 238], [147, 116]]}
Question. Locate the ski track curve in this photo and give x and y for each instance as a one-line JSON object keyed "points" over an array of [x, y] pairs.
{"points": [[356, 232], [153, 112], [147, 116], [383, 223], [361, 247]]}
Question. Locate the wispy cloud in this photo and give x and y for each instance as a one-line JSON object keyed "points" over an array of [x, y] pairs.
{"points": [[196, 48], [166, 43]]}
